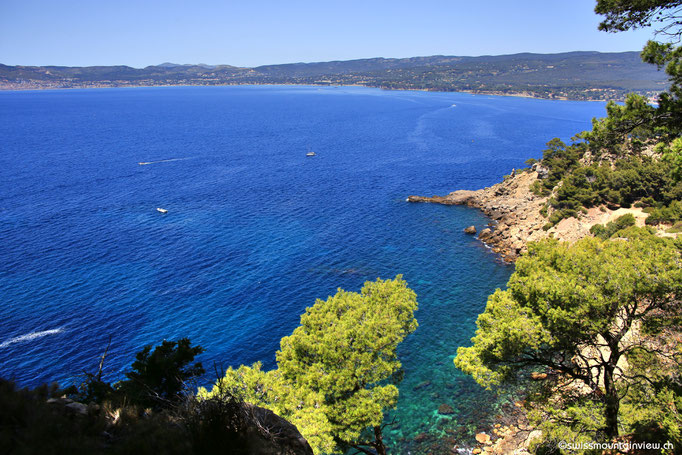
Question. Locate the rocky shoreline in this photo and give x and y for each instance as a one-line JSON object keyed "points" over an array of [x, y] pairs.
{"points": [[516, 218], [512, 207]]}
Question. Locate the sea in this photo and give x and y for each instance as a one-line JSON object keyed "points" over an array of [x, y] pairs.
{"points": [[255, 230]]}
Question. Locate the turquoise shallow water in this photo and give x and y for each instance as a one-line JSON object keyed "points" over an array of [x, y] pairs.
{"points": [[255, 231]]}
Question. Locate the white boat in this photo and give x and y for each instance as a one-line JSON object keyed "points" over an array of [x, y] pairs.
{"points": [[159, 209], [310, 154]]}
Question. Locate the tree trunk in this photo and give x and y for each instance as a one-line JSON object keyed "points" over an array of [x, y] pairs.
{"points": [[379, 441], [612, 403]]}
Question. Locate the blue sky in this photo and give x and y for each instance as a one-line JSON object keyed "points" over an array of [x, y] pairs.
{"points": [[257, 32]]}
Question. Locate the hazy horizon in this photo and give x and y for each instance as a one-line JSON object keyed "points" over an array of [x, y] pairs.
{"points": [[329, 61]]}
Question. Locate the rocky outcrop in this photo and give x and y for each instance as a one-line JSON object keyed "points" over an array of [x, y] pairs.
{"points": [[273, 435], [513, 207], [516, 216], [513, 436], [470, 230], [538, 376], [461, 197], [482, 438], [485, 234], [258, 431]]}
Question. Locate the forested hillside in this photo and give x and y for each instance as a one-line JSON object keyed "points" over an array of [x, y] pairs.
{"points": [[571, 75]]}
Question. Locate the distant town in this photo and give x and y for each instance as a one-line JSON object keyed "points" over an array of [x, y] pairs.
{"points": [[571, 76]]}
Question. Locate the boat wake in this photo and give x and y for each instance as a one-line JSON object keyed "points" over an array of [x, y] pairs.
{"points": [[144, 163], [30, 336]]}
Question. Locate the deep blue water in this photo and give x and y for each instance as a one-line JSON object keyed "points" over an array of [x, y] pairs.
{"points": [[255, 231]]}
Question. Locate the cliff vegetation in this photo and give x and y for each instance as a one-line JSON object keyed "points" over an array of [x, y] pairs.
{"points": [[588, 331], [337, 374]]}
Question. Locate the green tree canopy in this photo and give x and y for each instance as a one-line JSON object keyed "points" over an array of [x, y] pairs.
{"points": [[158, 377], [672, 154], [300, 406], [622, 15], [584, 317], [618, 162], [666, 17], [337, 372]]}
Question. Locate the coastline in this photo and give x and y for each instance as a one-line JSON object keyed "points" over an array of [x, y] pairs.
{"points": [[513, 209], [530, 95], [515, 214]]}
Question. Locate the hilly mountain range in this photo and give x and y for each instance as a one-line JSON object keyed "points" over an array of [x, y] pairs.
{"points": [[571, 75]]}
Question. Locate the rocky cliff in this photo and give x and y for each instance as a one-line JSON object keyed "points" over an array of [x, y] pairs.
{"points": [[516, 217], [512, 207], [44, 420]]}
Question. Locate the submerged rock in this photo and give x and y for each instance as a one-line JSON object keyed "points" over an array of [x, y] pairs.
{"points": [[421, 437], [422, 385], [445, 409]]}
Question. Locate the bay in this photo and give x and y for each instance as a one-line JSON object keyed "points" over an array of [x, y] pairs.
{"points": [[255, 230]]}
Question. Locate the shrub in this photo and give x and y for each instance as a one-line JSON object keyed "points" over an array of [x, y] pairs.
{"points": [[676, 229], [632, 179], [158, 377], [611, 228], [669, 214], [30, 424]]}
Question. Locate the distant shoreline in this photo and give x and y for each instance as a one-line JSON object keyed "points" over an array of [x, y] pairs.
{"points": [[37, 87], [578, 76]]}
